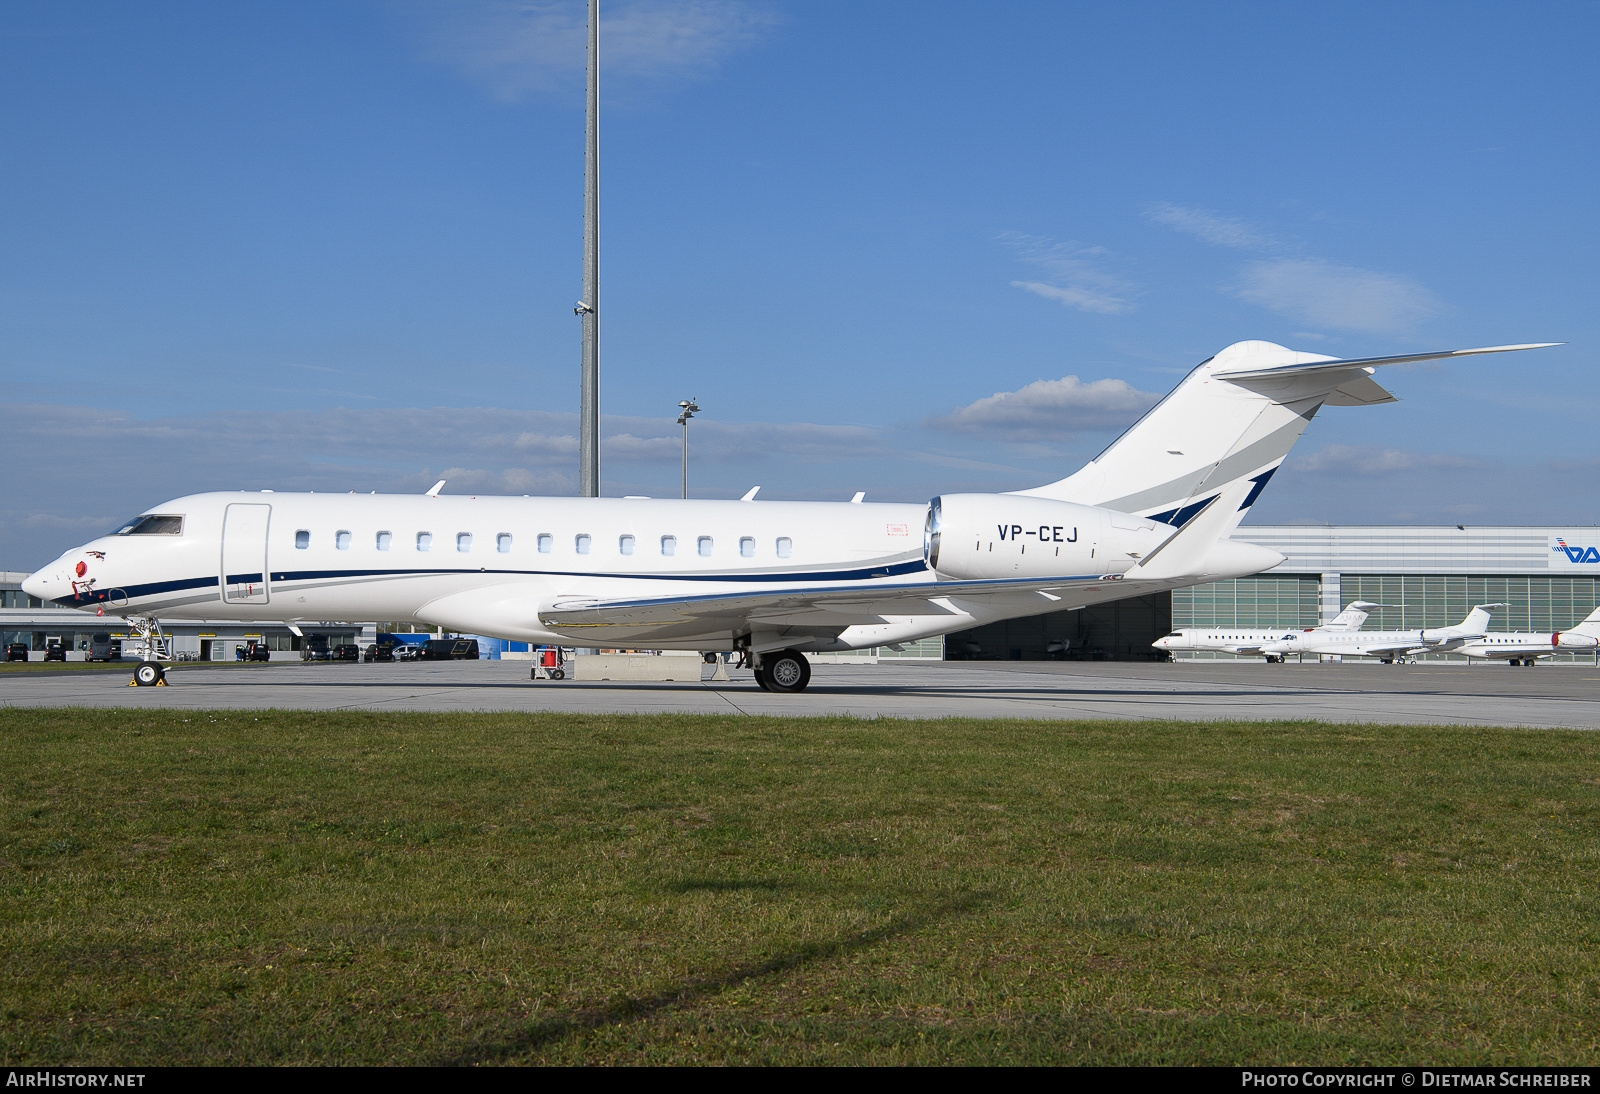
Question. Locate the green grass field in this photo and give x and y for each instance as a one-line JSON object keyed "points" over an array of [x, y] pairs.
{"points": [[281, 887]]}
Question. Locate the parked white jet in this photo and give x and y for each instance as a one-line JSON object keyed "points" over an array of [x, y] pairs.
{"points": [[1387, 646], [1252, 642], [772, 579], [1523, 648]]}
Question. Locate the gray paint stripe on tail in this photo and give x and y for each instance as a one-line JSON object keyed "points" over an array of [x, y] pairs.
{"points": [[1274, 446]]}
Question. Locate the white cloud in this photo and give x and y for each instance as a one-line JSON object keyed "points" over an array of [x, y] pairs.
{"points": [[486, 450], [516, 46], [1223, 231], [1078, 274], [1050, 410], [1344, 459], [1323, 294], [1074, 296]]}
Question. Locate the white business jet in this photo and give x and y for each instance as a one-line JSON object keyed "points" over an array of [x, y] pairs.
{"points": [[1251, 643], [1389, 646], [1524, 648], [773, 580]]}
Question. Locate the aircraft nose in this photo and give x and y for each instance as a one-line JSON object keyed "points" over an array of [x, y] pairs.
{"points": [[40, 584]]}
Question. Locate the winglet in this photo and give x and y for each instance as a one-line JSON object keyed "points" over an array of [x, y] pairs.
{"points": [[433, 491], [750, 495]]}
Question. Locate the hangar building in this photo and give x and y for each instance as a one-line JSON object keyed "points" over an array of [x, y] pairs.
{"points": [[1548, 578]]}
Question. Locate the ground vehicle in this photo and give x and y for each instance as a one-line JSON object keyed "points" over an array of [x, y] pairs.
{"points": [[547, 664], [252, 651], [347, 652], [451, 649], [314, 647], [407, 651], [102, 647], [16, 651], [378, 652], [55, 650]]}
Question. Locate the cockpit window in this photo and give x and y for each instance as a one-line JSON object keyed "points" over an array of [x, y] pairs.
{"points": [[155, 524]]}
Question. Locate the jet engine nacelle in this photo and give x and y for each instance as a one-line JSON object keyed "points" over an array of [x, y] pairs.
{"points": [[1572, 640], [975, 536]]}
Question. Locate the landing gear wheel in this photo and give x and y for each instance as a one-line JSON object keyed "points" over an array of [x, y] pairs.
{"points": [[786, 671], [148, 674], [761, 678]]}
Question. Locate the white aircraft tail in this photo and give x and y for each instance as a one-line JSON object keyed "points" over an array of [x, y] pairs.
{"points": [[1232, 420], [1354, 615], [1477, 620], [1591, 625]]}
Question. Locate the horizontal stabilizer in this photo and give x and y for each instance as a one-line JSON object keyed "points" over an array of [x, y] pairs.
{"points": [[1370, 362]]}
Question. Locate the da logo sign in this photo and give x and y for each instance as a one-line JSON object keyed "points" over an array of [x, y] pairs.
{"points": [[1576, 554]]}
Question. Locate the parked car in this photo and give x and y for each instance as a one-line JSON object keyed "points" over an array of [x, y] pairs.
{"points": [[408, 651], [451, 649], [378, 652], [314, 647], [16, 651], [347, 653], [102, 647], [55, 650], [252, 651]]}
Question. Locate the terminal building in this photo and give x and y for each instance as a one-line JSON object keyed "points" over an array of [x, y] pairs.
{"points": [[1547, 578]]}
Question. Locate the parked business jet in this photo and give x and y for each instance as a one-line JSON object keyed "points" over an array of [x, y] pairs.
{"points": [[1523, 648], [771, 579], [1251, 643], [1388, 646]]}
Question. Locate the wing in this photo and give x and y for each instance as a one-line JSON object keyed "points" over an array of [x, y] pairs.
{"points": [[818, 609]]}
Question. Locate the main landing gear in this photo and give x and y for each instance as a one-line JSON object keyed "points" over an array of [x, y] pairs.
{"points": [[783, 672]]}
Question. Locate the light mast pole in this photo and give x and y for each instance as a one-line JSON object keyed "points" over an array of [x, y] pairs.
{"points": [[589, 399]]}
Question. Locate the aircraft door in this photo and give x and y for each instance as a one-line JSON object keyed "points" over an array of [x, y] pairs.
{"points": [[244, 554]]}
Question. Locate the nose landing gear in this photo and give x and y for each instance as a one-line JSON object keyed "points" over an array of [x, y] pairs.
{"points": [[149, 674]]}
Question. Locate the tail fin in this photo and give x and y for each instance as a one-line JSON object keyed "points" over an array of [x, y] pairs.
{"points": [[1591, 625], [1354, 615], [1477, 620], [1232, 420]]}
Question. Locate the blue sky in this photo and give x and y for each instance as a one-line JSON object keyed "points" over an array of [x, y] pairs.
{"points": [[335, 246]]}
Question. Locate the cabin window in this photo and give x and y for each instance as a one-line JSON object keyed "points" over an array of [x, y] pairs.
{"points": [[747, 547], [424, 541], [547, 543], [785, 546], [502, 543], [463, 542], [669, 545], [384, 539], [581, 543], [625, 545], [704, 547], [341, 540], [302, 540]]}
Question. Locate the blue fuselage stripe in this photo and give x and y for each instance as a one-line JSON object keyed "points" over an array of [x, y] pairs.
{"points": [[157, 588]]}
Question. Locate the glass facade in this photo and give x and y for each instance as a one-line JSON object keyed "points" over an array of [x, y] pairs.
{"points": [[1249, 602], [1532, 603]]}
